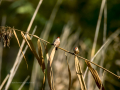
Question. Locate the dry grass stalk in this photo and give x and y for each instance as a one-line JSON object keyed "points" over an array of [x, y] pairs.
{"points": [[108, 41], [35, 70], [69, 73], [35, 53], [104, 37], [34, 74], [79, 74], [50, 60], [24, 82], [49, 24], [45, 46], [105, 45], [43, 82], [105, 22], [21, 56], [42, 59], [20, 47], [95, 76], [98, 27], [16, 64], [52, 80], [34, 15], [4, 81], [41, 54], [102, 79], [26, 40], [47, 28], [90, 84], [3, 22], [23, 42], [31, 46]]}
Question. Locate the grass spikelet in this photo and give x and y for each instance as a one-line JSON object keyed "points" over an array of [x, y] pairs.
{"points": [[41, 54], [20, 46], [45, 46], [30, 44], [34, 51], [47, 59], [95, 76], [79, 74], [26, 40], [43, 82], [50, 60], [42, 59], [69, 73]]}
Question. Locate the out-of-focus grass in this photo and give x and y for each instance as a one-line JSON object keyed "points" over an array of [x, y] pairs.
{"points": [[75, 23]]}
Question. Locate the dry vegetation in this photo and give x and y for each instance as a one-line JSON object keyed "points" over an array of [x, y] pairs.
{"points": [[59, 70]]}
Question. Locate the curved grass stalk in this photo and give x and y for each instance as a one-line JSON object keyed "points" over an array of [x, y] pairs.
{"points": [[79, 74], [23, 42], [49, 68], [4, 81], [69, 73], [105, 45], [90, 85], [16, 65], [98, 27], [104, 37], [20, 47], [24, 83], [108, 41]]}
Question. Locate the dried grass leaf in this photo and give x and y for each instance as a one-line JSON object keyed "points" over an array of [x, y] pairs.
{"points": [[79, 74], [33, 49], [43, 86], [47, 62], [69, 74], [41, 54], [45, 46], [26, 40], [30, 44], [52, 80], [50, 60], [95, 76], [20, 46]]}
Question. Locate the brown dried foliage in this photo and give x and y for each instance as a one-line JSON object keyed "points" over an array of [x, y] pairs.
{"points": [[41, 54], [31, 46], [69, 73], [95, 76], [49, 69], [6, 35], [79, 74]]}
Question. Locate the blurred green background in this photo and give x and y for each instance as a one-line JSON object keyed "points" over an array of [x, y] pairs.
{"points": [[82, 13]]}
